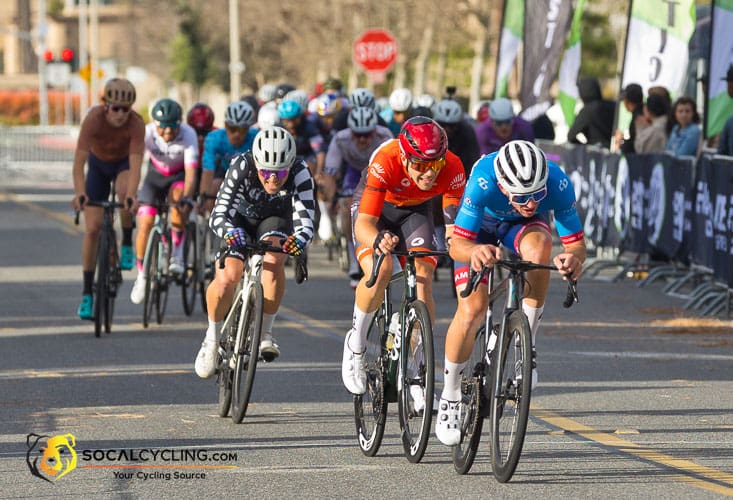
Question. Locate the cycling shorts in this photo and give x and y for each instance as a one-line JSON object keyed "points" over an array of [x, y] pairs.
{"points": [[413, 225], [156, 186], [100, 176], [349, 181], [258, 229], [507, 233]]}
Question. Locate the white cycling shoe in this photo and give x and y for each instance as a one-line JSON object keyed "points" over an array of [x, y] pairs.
{"points": [[447, 426], [138, 289], [269, 350], [206, 359], [353, 369]]}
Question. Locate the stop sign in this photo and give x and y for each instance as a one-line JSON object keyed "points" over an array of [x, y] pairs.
{"points": [[375, 50]]}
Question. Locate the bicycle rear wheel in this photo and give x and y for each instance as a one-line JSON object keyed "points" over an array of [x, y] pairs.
{"points": [[472, 402], [206, 262], [418, 363], [247, 352], [370, 408], [510, 404], [151, 271], [190, 271], [101, 283]]}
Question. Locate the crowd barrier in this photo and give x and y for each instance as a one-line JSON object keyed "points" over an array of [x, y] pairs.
{"points": [[675, 214]]}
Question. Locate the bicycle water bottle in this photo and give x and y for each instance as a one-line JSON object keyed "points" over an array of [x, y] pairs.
{"points": [[394, 339]]}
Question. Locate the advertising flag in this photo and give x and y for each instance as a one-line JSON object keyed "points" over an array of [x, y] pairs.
{"points": [[570, 66], [511, 38], [719, 105]]}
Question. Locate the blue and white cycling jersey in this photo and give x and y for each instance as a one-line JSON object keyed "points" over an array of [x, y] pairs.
{"points": [[218, 151], [483, 197]]}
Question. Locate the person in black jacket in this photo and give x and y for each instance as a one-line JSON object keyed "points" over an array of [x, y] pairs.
{"points": [[595, 120]]}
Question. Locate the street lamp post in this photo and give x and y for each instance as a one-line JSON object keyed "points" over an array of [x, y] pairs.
{"points": [[236, 67], [42, 90]]}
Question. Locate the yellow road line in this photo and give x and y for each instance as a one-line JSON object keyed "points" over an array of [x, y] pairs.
{"points": [[67, 223], [694, 474]]}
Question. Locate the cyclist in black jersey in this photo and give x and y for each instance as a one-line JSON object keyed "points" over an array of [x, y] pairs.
{"points": [[267, 194]]}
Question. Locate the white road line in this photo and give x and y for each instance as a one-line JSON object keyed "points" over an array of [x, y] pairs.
{"points": [[653, 355]]}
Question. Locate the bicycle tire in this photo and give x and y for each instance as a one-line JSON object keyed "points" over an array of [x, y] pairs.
{"points": [[343, 248], [164, 278], [190, 271], [151, 271], [206, 255], [225, 376], [415, 426], [247, 353], [370, 408], [100, 289], [473, 402], [114, 277], [510, 405]]}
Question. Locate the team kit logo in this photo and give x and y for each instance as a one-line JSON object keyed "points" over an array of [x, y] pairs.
{"points": [[51, 457]]}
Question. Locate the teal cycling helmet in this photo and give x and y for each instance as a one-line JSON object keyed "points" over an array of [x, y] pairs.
{"points": [[287, 110], [167, 111]]}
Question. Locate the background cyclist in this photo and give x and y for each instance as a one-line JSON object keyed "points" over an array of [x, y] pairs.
{"points": [[111, 141], [392, 211], [508, 200], [173, 149], [223, 144], [267, 195]]}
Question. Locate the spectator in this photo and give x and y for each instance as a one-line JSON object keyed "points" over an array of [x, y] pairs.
{"points": [[633, 99], [543, 127], [595, 119], [653, 138], [501, 127], [684, 140], [725, 141]]}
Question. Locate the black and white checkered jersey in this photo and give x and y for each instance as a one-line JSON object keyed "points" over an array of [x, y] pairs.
{"points": [[242, 195]]}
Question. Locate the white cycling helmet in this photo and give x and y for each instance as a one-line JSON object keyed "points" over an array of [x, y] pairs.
{"points": [[425, 100], [266, 93], [521, 167], [362, 120], [400, 100], [447, 111], [273, 149], [268, 116], [298, 95], [362, 98], [239, 114]]}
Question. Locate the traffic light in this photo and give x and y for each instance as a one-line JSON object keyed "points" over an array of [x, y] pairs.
{"points": [[69, 56], [48, 56]]}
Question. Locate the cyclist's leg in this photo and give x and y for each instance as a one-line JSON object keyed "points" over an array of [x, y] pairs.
{"points": [[151, 192], [127, 256], [178, 223], [219, 296]]}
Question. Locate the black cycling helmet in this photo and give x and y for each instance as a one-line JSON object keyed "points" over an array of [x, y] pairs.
{"points": [[167, 110]]}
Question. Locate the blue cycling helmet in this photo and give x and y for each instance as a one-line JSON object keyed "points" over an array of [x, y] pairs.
{"points": [[287, 110]]}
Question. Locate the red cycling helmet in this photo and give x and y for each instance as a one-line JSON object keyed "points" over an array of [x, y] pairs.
{"points": [[201, 117], [422, 139]]}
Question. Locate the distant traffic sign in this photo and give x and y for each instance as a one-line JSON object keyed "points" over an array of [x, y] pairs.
{"points": [[58, 74], [375, 50]]}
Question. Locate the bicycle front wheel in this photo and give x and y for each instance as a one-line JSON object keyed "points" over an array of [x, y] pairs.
{"points": [[418, 380], [510, 403], [472, 402], [190, 271], [101, 283], [113, 279], [163, 277], [370, 408], [151, 272], [248, 351], [225, 377]]}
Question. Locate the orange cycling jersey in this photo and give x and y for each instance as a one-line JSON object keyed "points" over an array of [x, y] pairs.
{"points": [[387, 180]]}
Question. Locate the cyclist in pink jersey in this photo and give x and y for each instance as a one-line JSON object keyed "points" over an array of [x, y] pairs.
{"points": [[174, 160]]}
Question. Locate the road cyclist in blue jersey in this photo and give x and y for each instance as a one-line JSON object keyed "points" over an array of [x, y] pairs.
{"points": [[508, 200]]}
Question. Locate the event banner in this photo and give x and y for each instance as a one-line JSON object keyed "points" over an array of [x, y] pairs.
{"points": [[511, 37], [657, 44], [545, 29], [719, 105]]}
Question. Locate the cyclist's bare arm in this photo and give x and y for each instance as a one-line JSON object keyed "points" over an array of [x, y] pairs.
{"points": [[133, 180], [570, 261], [80, 158], [465, 250]]}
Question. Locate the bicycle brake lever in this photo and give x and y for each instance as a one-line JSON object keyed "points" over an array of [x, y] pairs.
{"points": [[375, 269], [572, 295]]}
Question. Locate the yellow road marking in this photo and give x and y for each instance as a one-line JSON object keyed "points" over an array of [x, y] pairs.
{"points": [[704, 474], [67, 223]]}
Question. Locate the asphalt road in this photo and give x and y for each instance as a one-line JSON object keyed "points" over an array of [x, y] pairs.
{"points": [[632, 402]]}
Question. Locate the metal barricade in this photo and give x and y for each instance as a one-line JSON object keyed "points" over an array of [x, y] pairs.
{"points": [[37, 155]]}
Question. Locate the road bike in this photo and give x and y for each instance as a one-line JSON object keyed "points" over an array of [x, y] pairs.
{"points": [[397, 359], [337, 246], [497, 380], [239, 342], [155, 266], [107, 272], [200, 261]]}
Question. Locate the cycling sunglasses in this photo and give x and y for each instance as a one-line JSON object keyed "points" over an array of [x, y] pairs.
{"points": [[234, 128], [117, 109], [171, 125], [279, 174], [523, 199], [423, 166], [366, 135]]}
